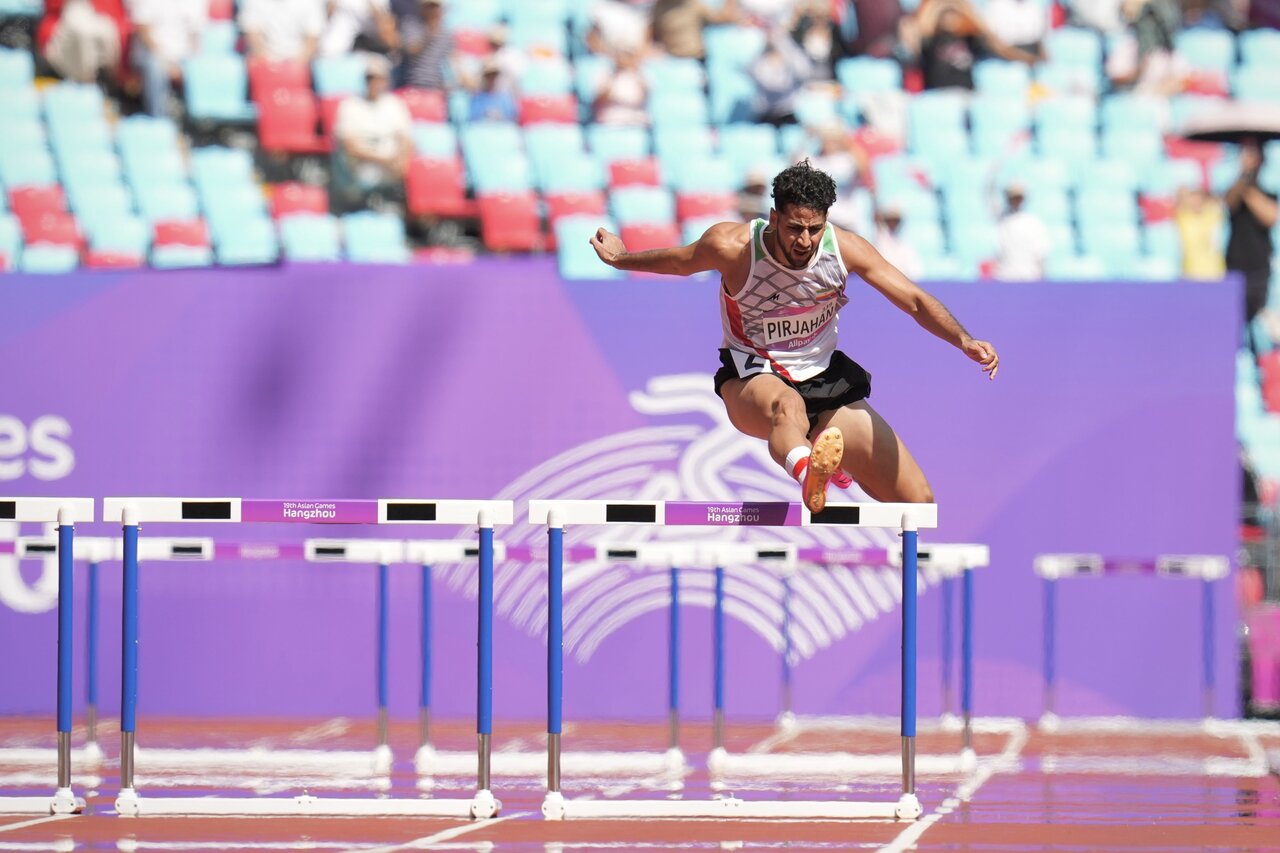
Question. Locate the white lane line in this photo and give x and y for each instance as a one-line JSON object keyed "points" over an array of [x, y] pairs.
{"points": [[427, 842], [986, 769], [22, 824]]}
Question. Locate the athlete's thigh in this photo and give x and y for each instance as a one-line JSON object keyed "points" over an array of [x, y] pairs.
{"points": [[751, 402], [875, 456]]}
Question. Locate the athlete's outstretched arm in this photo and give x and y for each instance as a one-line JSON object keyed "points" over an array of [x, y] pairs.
{"points": [[862, 258], [710, 252]]}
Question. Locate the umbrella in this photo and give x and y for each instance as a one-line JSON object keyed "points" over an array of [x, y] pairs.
{"points": [[1234, 121]]}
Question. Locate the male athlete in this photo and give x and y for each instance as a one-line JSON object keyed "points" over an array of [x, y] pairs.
{"points": [[781, 377]]}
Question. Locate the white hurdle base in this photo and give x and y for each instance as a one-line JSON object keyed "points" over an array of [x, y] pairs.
{"points": [[556, 807], [63, 801], [375, 762], [533, 765], [129, 804], [89, 755], [838, 765]]}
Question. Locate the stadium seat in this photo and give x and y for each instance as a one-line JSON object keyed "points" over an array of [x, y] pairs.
{"points": [[589, 203], [49, 259], [1050, 203], [425, 104], [864, 74], [666, 75], [437, 187], [435, 139], [731, 97], [747, 145], [1206, 50], [255, 242], [373, 237], [160, 166], [10, 239], [1257, 83], [1108, 173], [817, 108], [575, 258], [103, 259], [998, 124], [126, 234], [691, 230], [642, 238], [216, 88], [973, 239], [181, 257], [72, 101], [733, 45], [1104, 206], [59, 228], [642, 171], [145, 135], [553, 146], [705, 174], [678, 108], [192, 232], [675, 144], [1074, 46], [288, 121], [1138, 148], [1161, 240], [163, 200], [17, 69], [509, 222], [547, 76], [30, 202], [578, 173], [1075, 268], [1133, 112], [642, 206], [265, 77], [507, 174], [480, 15], [490, 139], [1002, 78], [27, 167], [93, 167], [310, 237], [590, 73], [609, 142], [340, 75], [19, 104], [538, 37], [292, 197], [1164, 178], [695, 205], [219, 38], [217, 166], [1259, 48]]}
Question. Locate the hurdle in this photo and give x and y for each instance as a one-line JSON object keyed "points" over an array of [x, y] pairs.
{"points": [[1053, 567], [65, 512], [555, 515], [667, 768], [131, 513], [937, 562]]}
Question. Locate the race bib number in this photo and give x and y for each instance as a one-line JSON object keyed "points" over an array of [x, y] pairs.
{"points": [[749, 364]]}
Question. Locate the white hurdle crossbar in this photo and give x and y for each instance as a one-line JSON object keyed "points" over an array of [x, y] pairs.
{"points": [[66, 513], [908, 518], [132, 512]]}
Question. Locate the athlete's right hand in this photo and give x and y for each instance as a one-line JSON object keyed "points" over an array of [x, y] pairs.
{"points": [[608, 246]]}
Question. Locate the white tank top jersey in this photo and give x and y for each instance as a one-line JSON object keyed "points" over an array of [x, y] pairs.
{"points": [[784, 320]]}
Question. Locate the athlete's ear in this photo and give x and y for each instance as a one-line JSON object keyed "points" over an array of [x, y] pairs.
{"points": [[773, 218]]}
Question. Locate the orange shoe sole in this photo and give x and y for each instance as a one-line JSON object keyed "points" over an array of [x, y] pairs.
{"points": [[824, 461]]}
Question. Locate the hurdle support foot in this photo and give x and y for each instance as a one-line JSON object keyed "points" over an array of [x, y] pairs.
{"points": [[908, 807], [1049, 722], [127, 803], [484, 805], [382, 759], [716, 760], [91, 754], [968, 759], [65, 802], [553, 806], [674, 760], [787, 721]]}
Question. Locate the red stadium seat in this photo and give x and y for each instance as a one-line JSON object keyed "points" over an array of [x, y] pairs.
{"points": [[695, 205], [1269, 374], [287, 123], [625, 173], [472, 42], [509, 222], [31, 202], [298, 198], [181, 233], [425, 104], [265, 77], [329, 118], [58, 228], [562, 109], [591, 202], [437, 187], [112, 260], [640, 238]]}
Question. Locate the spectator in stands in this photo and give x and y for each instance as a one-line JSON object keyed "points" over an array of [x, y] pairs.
{"points": [[1198, 217], [510, 60], [677, 24], [812, 28], [374, 144], [488, 102], [168, 32], [1144, 57], [282, 30], [952, 36], [890, 244], [1022, 239], [428, 48], [877, 28], [1253, 213], [83, 40], [1212, 15], [841, 156], [1102, 15], [622, 97], [367, 26], [1021, 23], [779, 74], [755, 199], [618, 27]]}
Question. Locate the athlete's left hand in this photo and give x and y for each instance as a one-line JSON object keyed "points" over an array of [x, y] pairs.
{"points": [[983, 353]]}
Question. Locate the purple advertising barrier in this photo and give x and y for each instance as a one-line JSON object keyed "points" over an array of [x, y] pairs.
{"points": [[315, 512], [1110, 429]]}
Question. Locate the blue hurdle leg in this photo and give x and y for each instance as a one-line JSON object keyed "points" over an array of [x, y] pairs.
{"points": [[966, 659], [424, 692], [718, 679], [786, 647], [484, 680], [129, 656], [91, 655], [1050, 629], [673, 661], [383, 649], [909, 580], [555, 651], [66, 563]]}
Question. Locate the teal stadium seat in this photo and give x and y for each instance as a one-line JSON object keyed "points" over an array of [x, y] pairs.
{"points": [[1164, 178], [642, 206], [175, 257], [215, 165], [551, 146], [670, 74], [219, 37], [76, 101], [99, 202], [1125, 112], [582, 173], [861, 75], [1076, 147], [924, 234], [1002, 78], [144, 134], [49, 259], [435, 139], [18, 103], [494, 139], [216, 86], [749, 146], [1257, 83], [674, 144], [732, 96], [149, 167], [973, 240], [1075, 47], [551, 76], [23, 167], [310, 237], [678, 108], [226, 206], [166, 200], [126, 234], [373, 237], [998, 124], [1137, 148], [10, 241], [17, 69], [509, 173], [1161, 240], [1259, 48], [338, 76], [533, 34], [1206, 50], [1051, 204], [617, 142], [706, 174], [1108, 173], [1105, 206], [477, 15], [1034, 171], [962, 204], [1072, 267], [590, 72], [692, 229], [255, 242], [1069, 80], [732, 46], [574, 255], [817, 108]]}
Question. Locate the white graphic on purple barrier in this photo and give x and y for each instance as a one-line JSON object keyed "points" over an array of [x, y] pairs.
{"points": [[693, 453]]}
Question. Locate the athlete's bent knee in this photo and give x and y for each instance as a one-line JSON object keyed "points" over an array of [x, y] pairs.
{"points": [[788, 409]]}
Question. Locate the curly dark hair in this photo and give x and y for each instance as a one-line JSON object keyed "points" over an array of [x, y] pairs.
{"points": [[802, 185]]}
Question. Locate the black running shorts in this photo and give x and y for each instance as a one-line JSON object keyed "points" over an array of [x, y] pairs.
{"points": [[843, 382]]}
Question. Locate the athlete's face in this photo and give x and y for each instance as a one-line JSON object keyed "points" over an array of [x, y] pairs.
{"points": [[798, 230]]}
